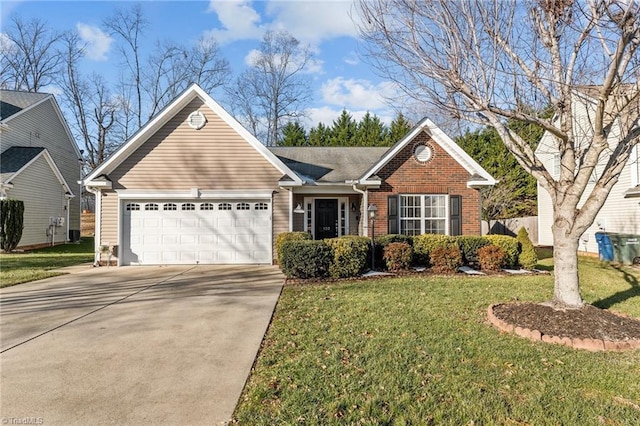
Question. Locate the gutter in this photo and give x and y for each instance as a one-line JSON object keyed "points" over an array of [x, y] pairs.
{"points": [[365, 204]]}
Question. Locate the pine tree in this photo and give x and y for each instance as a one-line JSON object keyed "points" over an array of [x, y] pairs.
{"points": [[343, 130], [293, 134]]}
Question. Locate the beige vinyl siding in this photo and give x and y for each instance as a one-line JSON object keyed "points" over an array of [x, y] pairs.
{"points": [[40, 126], [43, 197], [180, 157], [109, 218], [280, 214]]}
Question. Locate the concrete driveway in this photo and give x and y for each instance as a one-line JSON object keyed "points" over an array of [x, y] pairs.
{"points": [[133, 345]]}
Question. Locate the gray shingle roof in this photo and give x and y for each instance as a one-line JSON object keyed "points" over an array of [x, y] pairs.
{"points": [[12, 102], [329, 164], [15, 158]]}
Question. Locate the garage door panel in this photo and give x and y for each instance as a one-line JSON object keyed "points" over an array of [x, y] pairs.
{"points": [[191, 234]]}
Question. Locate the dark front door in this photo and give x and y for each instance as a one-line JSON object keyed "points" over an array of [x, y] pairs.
{"points": [[326, 219]]}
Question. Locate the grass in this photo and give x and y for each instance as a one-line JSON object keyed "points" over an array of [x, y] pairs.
{"points": [[418, 351], [17, 268]]}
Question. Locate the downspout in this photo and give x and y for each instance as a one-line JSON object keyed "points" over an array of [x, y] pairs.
{"points": [[363, 207], [68, 205]]}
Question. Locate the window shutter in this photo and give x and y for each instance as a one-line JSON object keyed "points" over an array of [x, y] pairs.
{"points": [[455, 215], [392, 214]]}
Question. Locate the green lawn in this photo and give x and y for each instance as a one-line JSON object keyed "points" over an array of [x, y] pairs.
{"points": [[16, 268], [419, 351]]}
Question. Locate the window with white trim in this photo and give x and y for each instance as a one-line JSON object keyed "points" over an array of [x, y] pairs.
{"points": [[151, 207], [423, 214]]}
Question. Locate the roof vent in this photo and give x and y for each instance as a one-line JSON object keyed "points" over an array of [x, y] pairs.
{"points": [[422, 153], [197, 120]]}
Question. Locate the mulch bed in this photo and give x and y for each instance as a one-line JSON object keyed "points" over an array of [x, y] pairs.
{"points": [[587, 322]]}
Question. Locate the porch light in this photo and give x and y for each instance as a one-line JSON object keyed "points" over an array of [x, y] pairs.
{"points": [[298, 209], [353, 207], [372, 211]]}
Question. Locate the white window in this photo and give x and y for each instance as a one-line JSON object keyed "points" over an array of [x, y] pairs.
{"points": [[261, 206], [188, 206], [133, 207], [151, 207], [206, 206], [224, 206], [170, 206], [423, 214], [243, 206]]}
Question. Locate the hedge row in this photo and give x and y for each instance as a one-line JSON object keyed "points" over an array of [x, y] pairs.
{"points": [[349, 256]]}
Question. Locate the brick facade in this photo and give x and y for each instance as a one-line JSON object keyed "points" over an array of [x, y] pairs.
{"points": [[442, 174]]}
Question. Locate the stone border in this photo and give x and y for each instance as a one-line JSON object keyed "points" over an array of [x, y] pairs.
{"points": [[593, 345]]}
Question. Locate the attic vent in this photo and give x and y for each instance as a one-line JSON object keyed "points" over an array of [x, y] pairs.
{"points": [[422, 153], [197, 120]]}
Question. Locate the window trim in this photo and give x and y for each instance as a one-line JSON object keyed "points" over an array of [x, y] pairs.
{"points": [[422, 218]]}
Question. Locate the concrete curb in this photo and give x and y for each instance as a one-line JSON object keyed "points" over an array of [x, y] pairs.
{"points": [[592, 345]]}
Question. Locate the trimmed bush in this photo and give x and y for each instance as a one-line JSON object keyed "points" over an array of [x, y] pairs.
{"points": [[510, 246], [446, 260], [425, 243], [288, 236], [491, 257], [528, 258], [305, 259], [397, 256], [11, 223], [469, 245], [383, 240], [350, 254]]}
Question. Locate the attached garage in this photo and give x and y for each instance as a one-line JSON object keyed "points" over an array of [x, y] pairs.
{"points": [[196, 231]]}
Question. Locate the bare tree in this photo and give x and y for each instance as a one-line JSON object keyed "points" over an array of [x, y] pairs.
{"points": [[489, 61], [272, 91], [93, 110], [29, 55], [128, 26]]}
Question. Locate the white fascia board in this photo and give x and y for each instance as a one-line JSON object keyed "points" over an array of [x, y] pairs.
{"points": [[475, 184], [52, 165], [138, 194], [169, 112], [325, 189], [106, 184]]}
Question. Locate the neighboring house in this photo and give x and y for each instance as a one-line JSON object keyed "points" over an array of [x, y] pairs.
{"points": [[620, 212], [194, 186], [39, 164]]}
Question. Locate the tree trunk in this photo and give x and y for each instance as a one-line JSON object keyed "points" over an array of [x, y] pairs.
{"points": [[566, 290]]}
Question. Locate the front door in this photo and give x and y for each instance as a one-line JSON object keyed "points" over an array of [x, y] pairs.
{"points": [[326, 218]]}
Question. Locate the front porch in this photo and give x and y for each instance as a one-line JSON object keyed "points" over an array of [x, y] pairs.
{"points": [[328, 215]]}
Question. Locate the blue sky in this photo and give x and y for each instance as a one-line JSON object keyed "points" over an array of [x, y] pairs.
{"points": [[340, 79]]}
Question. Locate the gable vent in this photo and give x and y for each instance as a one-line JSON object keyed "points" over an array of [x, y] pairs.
{"points": [[197, 120]]}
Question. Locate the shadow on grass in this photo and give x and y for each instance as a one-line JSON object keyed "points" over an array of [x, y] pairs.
{"points": [[620, 296]]}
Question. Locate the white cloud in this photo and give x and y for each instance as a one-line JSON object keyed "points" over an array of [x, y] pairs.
{"points": [[239, 21], [358, 94], [326, 115], [352, 58], [6, 44], [308, 21], [97, 41]]}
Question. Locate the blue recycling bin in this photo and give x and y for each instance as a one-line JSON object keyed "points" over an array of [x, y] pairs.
{"points": [[605, 248]]}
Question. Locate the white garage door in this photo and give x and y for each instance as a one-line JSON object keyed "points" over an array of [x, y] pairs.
{"points": [[190, 232]]}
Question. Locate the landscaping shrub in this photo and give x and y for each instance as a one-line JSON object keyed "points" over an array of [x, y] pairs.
{"points": [[350, 254], [288, 236], [383, 240], [510, 246], [11, 223], [425, 243], [528, 258], [469, 245], [397, 256], [491, 257], [446, 259], [305, 259]]}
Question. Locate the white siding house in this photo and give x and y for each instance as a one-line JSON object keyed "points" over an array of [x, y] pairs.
{"points": [[39, 164], [620, 212]]}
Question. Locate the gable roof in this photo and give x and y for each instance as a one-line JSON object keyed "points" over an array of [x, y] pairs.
{"points": [[168, 112], [329, 164], [479, 176], [12, 101], [17, 159]]}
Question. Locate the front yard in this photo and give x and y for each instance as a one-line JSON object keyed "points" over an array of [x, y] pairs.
{"points": [[419, 351], [16, 268]]}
